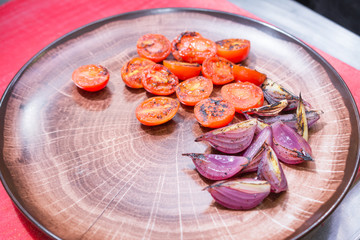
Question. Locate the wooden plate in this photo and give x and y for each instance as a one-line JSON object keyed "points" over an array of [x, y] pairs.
{"points": [[79, 165]]}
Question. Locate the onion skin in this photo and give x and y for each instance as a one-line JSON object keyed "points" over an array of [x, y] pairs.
{"points": [[270, 170], [270, 109], [242, 194], [290, 119], [274, 92], [217, 167], [288, 145], [301, 123], [255, 150], [231, 139]]}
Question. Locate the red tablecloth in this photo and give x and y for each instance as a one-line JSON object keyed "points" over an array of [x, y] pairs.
{"points": [[27, 26]]}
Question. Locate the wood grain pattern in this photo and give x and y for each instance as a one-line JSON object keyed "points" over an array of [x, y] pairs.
{"points": [[83, 167]]}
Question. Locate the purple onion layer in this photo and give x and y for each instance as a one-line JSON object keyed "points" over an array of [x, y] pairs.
{"points": [[243, 194], [290, 119], [231, 139], [254, 151], [270, 170], [217, 167], [288, 145]]}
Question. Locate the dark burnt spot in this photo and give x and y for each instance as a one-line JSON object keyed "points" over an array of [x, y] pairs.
{"points": [[304, 155], [222, 42], [236, 46], [194, 156], [216, 108], [270, 154], [146, 45], [175, 46], [169, 73], [266, 107], [190, 64], [203, 111], [128, 66], [104, 71], [187, 34], [181, 35]]}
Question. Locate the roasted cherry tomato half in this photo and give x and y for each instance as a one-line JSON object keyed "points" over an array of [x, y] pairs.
{"points": [[218, 69], [91, 77], [193, 90], [243, 96], [132, 71], [192, 47], [244, 74], [155, 47], [183, 70], [214, 112], [234, 50], [159, 80], [157, 110]]}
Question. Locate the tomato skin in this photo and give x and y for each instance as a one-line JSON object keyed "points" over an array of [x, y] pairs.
{"points": [[132, 71], [159, 80], [183, 70], [176, 43], [214, 112], [243, 95], [192, 47], [193, 90], [234, 49], [155, 47], [157, 110], [91, 77], [244, 74], [218, 69]]}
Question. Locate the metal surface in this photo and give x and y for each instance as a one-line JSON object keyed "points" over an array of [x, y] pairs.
{"points": [[308, 26], [341, 43]]}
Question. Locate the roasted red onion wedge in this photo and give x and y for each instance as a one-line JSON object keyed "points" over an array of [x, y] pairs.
{"points": [[254, 151], [245, 193], [260, 125], [217, 167], [270, 170], [254, 162], [301, 123], [231, 139], [270, 109], [290, 119], [274, 92], [288, 145]]}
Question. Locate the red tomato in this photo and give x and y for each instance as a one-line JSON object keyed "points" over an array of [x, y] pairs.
{"points": [[244, 74], [193, 90], [218, 69], [155, 47], [243, 95], [91, 77], [214, 112], [132, 71], [159, 80], [234, 50], [192, 47], [157, 110], [183, 70]]}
